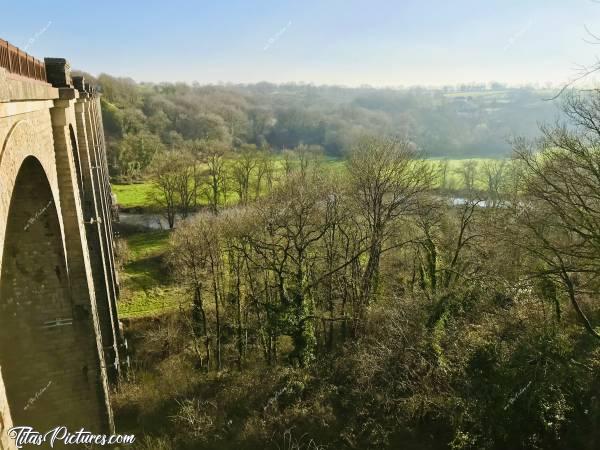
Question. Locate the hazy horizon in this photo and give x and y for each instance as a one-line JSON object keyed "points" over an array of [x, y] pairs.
{"points": [[347, 44]]}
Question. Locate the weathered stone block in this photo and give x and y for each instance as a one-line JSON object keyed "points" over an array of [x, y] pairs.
{"points": [[58, 72]]}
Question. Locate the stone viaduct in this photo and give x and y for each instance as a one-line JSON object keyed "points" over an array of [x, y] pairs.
{"points": [[60, 340]]}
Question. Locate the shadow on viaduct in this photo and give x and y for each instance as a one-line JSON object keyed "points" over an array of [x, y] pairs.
{"points": [[59, 332]]}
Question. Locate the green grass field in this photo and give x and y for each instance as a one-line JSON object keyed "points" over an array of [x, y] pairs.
{"points": [[146, 288], [139, 195], [454, 179], [134, 195]]}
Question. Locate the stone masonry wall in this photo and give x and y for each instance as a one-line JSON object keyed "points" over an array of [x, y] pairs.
{"points": [[57, 279]]}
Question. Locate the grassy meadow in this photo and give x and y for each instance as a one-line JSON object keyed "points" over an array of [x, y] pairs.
{"points": [[141, 195], [135, 195], [146, 288]]}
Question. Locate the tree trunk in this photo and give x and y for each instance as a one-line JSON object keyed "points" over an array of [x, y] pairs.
{"points": [[217, 312]]}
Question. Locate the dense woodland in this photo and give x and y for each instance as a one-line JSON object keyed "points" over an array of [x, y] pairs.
{"points": [[457, 122], [364, 306]]}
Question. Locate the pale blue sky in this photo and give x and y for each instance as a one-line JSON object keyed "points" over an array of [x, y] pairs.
{"points": [[382, 43]]}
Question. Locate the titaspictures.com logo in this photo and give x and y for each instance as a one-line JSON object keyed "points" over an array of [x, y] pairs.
{"points": [[25, 435]]}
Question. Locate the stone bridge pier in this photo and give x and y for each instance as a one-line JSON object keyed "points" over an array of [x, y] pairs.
{"points": [[60, 340]]}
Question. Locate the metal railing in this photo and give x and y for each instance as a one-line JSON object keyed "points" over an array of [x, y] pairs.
{"points": [[20, 63]]}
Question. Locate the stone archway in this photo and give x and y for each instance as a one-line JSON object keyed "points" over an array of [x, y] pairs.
{"points": [[37, 336]]}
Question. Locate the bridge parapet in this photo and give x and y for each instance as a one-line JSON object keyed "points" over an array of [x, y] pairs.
{"points": [[18, 62]]}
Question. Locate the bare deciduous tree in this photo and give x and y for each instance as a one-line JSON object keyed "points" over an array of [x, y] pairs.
{"points": [[561, 210], [215, 153], [243, 169], [165, 171], [386, 180]]}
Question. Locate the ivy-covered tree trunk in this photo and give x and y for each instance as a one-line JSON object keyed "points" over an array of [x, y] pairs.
{"points": [[199, 322], [303, 335]]}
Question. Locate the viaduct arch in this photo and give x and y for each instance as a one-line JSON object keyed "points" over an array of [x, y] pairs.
{"points": [[60, 340]]}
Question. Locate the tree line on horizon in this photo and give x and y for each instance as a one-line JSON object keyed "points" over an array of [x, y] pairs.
{"points": [[141, 119]]}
